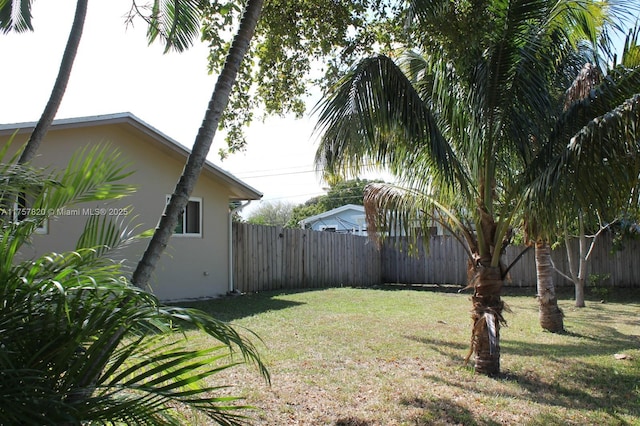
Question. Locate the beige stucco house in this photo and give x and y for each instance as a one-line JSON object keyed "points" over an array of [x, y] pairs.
{"points": [[196, 263]]}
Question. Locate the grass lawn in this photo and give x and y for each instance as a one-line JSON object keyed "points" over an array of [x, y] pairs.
{"points": [[395, 356]]}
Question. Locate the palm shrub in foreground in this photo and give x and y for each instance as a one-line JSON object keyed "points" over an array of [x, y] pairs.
{"points": [[79, 343]]}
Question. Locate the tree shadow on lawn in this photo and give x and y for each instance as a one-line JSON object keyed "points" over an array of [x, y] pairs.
{"points": [[231, 308], [577, 345], [589, 387], [435, 288], [611, 389], [446, 348], [620, 295], [443, 411], [352, 421], [530, 389]]}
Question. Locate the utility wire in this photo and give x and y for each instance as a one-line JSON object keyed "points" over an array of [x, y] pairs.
{"points": [[249, 175]]}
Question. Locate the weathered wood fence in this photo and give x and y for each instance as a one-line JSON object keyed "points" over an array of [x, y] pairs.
{"points": [[269, 258]]}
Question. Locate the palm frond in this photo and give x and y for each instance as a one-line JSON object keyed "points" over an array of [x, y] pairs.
{"points": [[15, 15], [105, 233], [375, 116], [392, 210], [630, 56], [94, 174], [175, 22], [79, 343]]}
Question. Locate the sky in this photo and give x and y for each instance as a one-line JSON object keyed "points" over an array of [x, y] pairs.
{"points": [[116, 71]]}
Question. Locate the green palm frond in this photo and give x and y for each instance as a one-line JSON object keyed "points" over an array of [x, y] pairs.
{"points": [[375, 116], [93, 174], [79, 343], [630, 56], [394, 210], [15, 16], [103, 232], [175, 22], [597, 168], [612, 141]]}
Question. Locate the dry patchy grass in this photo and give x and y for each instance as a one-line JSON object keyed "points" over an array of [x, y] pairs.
{"points": [[385, 356]]}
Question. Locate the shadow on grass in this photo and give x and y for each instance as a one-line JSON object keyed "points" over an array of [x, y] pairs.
{"points": [[444, 411], [231, 308], [619, 295], [612, 390], [435, 288], [446, 348], [591, 390], [575, 345], [352, 421], [594, 389], [559, 375]]}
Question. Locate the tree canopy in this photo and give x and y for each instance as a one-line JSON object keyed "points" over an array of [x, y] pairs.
{"points": [[340, 193], [271, 213], [299, 48]]}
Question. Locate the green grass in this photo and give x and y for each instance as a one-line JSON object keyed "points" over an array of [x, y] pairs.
{"points": [[395, 356]]}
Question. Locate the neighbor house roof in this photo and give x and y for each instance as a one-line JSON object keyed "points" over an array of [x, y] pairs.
{"points": [[239, 190], [332, 212]]}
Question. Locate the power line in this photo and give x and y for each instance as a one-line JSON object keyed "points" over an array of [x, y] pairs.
{"points": [[244, 175], [274, 174]]}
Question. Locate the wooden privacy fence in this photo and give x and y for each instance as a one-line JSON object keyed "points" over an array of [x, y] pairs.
{"points": [[446, 261], [269, 258]]}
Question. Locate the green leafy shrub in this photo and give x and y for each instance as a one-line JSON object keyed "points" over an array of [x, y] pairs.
{"points": [[78, 343]]}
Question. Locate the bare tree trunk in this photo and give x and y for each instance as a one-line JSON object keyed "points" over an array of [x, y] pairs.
{"points": [[574, 269], [551, 316], [60, 85], [201, 146], [578, 271], [582, 270]]}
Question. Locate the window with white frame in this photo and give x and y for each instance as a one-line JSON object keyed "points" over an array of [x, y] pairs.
{"points": [[23, 208], [190, 221]]}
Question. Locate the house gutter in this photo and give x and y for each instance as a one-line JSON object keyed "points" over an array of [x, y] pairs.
{"points": [[231, 213]]}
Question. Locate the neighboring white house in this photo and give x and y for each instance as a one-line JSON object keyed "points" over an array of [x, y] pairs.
{"points": [[197, 261], [347, 219], [350, 219]]}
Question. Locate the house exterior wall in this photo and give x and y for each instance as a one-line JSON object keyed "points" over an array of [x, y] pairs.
{"points": [[191, 267]]}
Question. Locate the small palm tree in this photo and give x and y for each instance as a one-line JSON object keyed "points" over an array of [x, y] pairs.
{"points": [[79, 343], [600, 108]]}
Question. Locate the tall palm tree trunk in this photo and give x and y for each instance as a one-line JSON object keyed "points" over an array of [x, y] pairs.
{"points": [[201, 146], [551, 316], [60, 85]]}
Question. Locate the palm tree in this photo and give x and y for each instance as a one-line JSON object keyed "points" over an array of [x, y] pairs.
{"points": [[202, 144], [590, 97], [16, 16], [79, 343], [454, 119], [550, 315]]}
